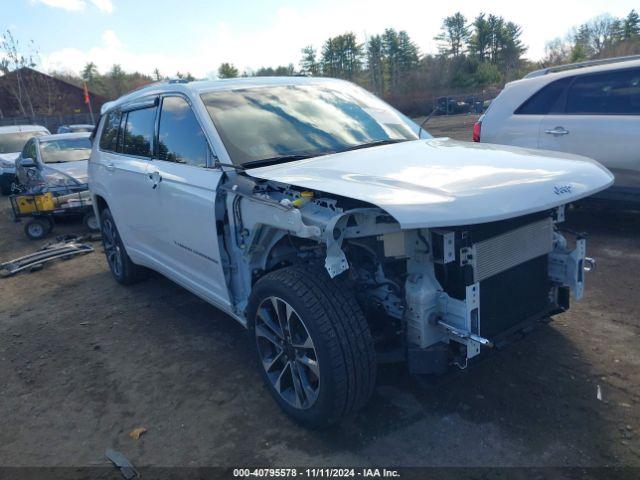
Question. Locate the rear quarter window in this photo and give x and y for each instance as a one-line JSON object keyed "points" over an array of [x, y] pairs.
{"points": [[546, 100]]}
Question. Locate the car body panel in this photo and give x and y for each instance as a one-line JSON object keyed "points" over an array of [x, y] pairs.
{"points": [[7, 160], [443, 182], [612, 140], [55, 174]]}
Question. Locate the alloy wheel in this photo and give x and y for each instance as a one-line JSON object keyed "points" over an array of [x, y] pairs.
{"points": [[111, 246], [287, 353]]}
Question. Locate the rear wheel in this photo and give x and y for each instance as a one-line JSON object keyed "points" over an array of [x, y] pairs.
{"points": [[123, 269], [90, 222], [313, 345]]}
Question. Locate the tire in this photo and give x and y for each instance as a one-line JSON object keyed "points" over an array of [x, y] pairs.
{"points": [[37, 228], [336, 370], [123, 269], [90, 222]]}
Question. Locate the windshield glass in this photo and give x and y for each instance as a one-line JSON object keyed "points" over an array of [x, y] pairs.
{"points": [[67, 150], [14, 142], [262, 123]]}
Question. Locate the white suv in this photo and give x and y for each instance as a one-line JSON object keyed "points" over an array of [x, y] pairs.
{"points": [[589, 108], [310, 212]]}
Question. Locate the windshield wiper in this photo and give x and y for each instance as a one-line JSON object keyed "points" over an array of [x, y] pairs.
{"points": [[377, 143], [264, 162]]}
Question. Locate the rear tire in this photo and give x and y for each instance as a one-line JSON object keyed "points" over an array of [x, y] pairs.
{"points": [[123, 269], [90, 222], [320, 338]]}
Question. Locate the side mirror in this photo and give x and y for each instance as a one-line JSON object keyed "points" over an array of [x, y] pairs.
{"points": [[27, 162]]}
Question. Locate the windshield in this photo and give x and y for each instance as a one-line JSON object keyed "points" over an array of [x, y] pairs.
{"points": [[14, 142], [67, 150], [262, 123]]}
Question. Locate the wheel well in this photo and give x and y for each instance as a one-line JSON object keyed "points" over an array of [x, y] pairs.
{"points": [[101, 204]]}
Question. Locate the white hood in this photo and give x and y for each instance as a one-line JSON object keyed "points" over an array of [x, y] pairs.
{"points": [[443, 182], [8, 159], [66, 173]]}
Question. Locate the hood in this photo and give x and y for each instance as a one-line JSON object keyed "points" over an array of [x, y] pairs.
{"points": [[69, 173], [7, 159], [443, 182]]}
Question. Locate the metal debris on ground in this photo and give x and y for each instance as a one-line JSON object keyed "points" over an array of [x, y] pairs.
{"points": [[35, 261], [126, 468]]}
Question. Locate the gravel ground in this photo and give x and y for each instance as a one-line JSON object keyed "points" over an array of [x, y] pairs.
{"points": [[84, 361]]}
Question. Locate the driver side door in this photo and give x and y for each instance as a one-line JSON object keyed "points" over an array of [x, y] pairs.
{"points": [[182, 187]]}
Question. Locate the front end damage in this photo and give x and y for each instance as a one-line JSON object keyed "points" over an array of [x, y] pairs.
{"points": [[435, 296]]}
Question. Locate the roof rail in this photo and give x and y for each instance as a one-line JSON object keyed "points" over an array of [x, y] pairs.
{"points": [[588, 63]]}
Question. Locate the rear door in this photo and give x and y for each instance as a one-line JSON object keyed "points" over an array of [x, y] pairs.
{"points": [[600, 118], [182, 185], [126, 146]]}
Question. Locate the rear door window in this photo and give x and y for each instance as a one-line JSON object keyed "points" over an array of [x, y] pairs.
{"points": [[609, 93], [138, 132], [546, 100]]}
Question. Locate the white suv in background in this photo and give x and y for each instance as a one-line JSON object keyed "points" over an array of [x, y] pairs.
{"points": [[589, 108]]}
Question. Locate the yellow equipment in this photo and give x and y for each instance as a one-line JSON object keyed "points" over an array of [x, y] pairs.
{"points": [[35, 203]]}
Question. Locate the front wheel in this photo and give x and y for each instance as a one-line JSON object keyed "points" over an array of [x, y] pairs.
{"points": [[313, 345]]}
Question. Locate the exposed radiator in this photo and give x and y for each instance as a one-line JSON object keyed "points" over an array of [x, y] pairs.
{"points": [[502, 252]]}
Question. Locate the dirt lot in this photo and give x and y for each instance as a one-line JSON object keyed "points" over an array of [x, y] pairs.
{"points": [[84, 361]]}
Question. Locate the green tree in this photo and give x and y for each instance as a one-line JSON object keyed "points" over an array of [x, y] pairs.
{"points": [[342, 56], [90, 73], [115, 81], [227, 70], [309, 64], [454, 35], [376, 63], [391, 50], [631, 25], [480, 40]]}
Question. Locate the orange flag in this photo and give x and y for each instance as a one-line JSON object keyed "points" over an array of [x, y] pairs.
{"points": [[86, 93]]}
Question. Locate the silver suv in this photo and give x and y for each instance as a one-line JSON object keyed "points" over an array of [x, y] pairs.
{"points": [[589, 108]]}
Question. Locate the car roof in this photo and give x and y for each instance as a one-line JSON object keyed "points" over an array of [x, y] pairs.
{"points": [[202, 86], [22, 128], [63, 136], [544, 78]]}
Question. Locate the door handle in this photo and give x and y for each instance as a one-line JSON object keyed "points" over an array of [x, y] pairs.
{"points": [[155, 178], [109, 167], [557, 131]]}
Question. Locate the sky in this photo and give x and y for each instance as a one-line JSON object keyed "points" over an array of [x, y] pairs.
{"points": [[197, 35]]}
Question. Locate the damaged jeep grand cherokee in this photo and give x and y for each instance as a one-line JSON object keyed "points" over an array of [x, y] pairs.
{"points": [[334, 229]]}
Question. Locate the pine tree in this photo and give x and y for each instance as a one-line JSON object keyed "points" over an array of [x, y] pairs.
{"points": [[308, 63], [453, 36], [631, 25], [227, 70], [375, 63]]}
